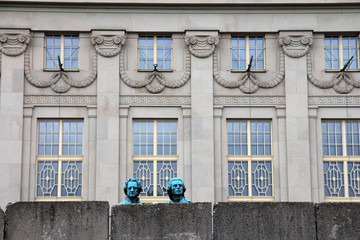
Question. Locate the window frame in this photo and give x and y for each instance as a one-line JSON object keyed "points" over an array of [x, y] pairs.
{"points": [[155, 158], [344, 159], [59, 158], [155, 36], [341, 53], [249, 158], [62, 52], [247, 53]]}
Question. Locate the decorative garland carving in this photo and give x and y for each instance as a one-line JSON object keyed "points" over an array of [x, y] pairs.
{"points": [[14, 39], [59, 82], [104, 44], [296, 46], [342, 82], [253, 83], [202, 47], [156, 82]]}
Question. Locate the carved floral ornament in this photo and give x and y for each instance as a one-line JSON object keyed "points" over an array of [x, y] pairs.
{"points": [[13, 44]]}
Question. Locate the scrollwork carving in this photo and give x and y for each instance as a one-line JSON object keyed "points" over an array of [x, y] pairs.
{"points": [[59, 82], [10, 40], [296, 46], [342, 82], [248, 81], [156, 82], [108, 45], [201, 47]]}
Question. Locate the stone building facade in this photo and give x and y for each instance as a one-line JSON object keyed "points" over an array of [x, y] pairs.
{"points": [[245, 101]]}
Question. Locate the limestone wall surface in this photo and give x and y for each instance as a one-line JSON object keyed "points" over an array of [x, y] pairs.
{"points": [[90, 220]]}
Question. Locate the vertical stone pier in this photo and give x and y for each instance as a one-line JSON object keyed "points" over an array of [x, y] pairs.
{"points": [[13, 45], [296, 45], [202, 45]]}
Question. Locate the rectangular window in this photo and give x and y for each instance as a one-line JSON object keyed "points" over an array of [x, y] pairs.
{"points": [[59, 159], [250, 160], [155, 155], [246, 49], [341, 159], [155, 50], [339, 50], [64, 48]]}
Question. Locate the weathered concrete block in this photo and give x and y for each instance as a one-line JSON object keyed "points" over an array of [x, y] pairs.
{"points": [[162, 221], [1, 224], [281, 220], [338, 220], [57, 220]]}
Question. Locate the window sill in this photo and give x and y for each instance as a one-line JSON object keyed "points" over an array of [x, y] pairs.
{"points": [[58, 70], [338, 70], [244, 71], [158, 70]]}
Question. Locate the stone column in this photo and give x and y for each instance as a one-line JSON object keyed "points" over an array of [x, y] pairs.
{"points": [[202, 46], [313, 155], [186, 111], [296, 45], [108, 45], [13, 44], [217, 154], [282, 167], [124, 113], [26, 153], [92, 153]]}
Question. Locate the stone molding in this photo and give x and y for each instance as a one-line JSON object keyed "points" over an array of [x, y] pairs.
{"points": [[108, 45], [296, 46], [155, 100], [59, 82], [13, 44], [341, 82], [249, 100], [155, 82], [334, 100], [248, 82], [201, 46], [60, 100]]}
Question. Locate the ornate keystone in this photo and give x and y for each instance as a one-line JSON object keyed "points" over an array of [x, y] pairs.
{"points": [[13, 44], [201, 46], [296, 45], [108, 45]]}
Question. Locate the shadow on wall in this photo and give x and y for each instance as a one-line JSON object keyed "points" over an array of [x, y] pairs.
{"points": [[90, 220]]}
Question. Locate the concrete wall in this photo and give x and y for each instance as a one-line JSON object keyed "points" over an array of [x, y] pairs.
{"points": [[264, 221], [89, 220], [162, 221], [57, 220]]}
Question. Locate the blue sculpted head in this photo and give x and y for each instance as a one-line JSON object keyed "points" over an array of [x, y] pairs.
{"points": [[132, 190], [176, 190]]}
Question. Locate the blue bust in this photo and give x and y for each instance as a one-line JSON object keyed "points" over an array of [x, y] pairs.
{"points": [[176, 190], [132, 189]]}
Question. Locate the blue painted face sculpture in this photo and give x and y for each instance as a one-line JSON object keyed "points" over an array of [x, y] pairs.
{"points": [[132, 189], [176, 190]]}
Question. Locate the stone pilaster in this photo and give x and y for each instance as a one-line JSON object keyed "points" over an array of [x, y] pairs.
{"points": [[13, 44], [107, 45], [296, 45], [202, 46]]}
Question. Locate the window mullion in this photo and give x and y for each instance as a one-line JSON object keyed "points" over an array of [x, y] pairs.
{"points": [[343, 128], [247, 46], [62, 44], [155, 161], [155, 50], [60, 154], [341, 61], [248, 129]]}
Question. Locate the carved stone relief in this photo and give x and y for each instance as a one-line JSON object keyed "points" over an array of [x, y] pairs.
{"points": [[342, 82], [249, 82], [296, 46], [60, 82], [49, 100], [108, 45], [201, 46], [13, 44], [155, 82]]}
